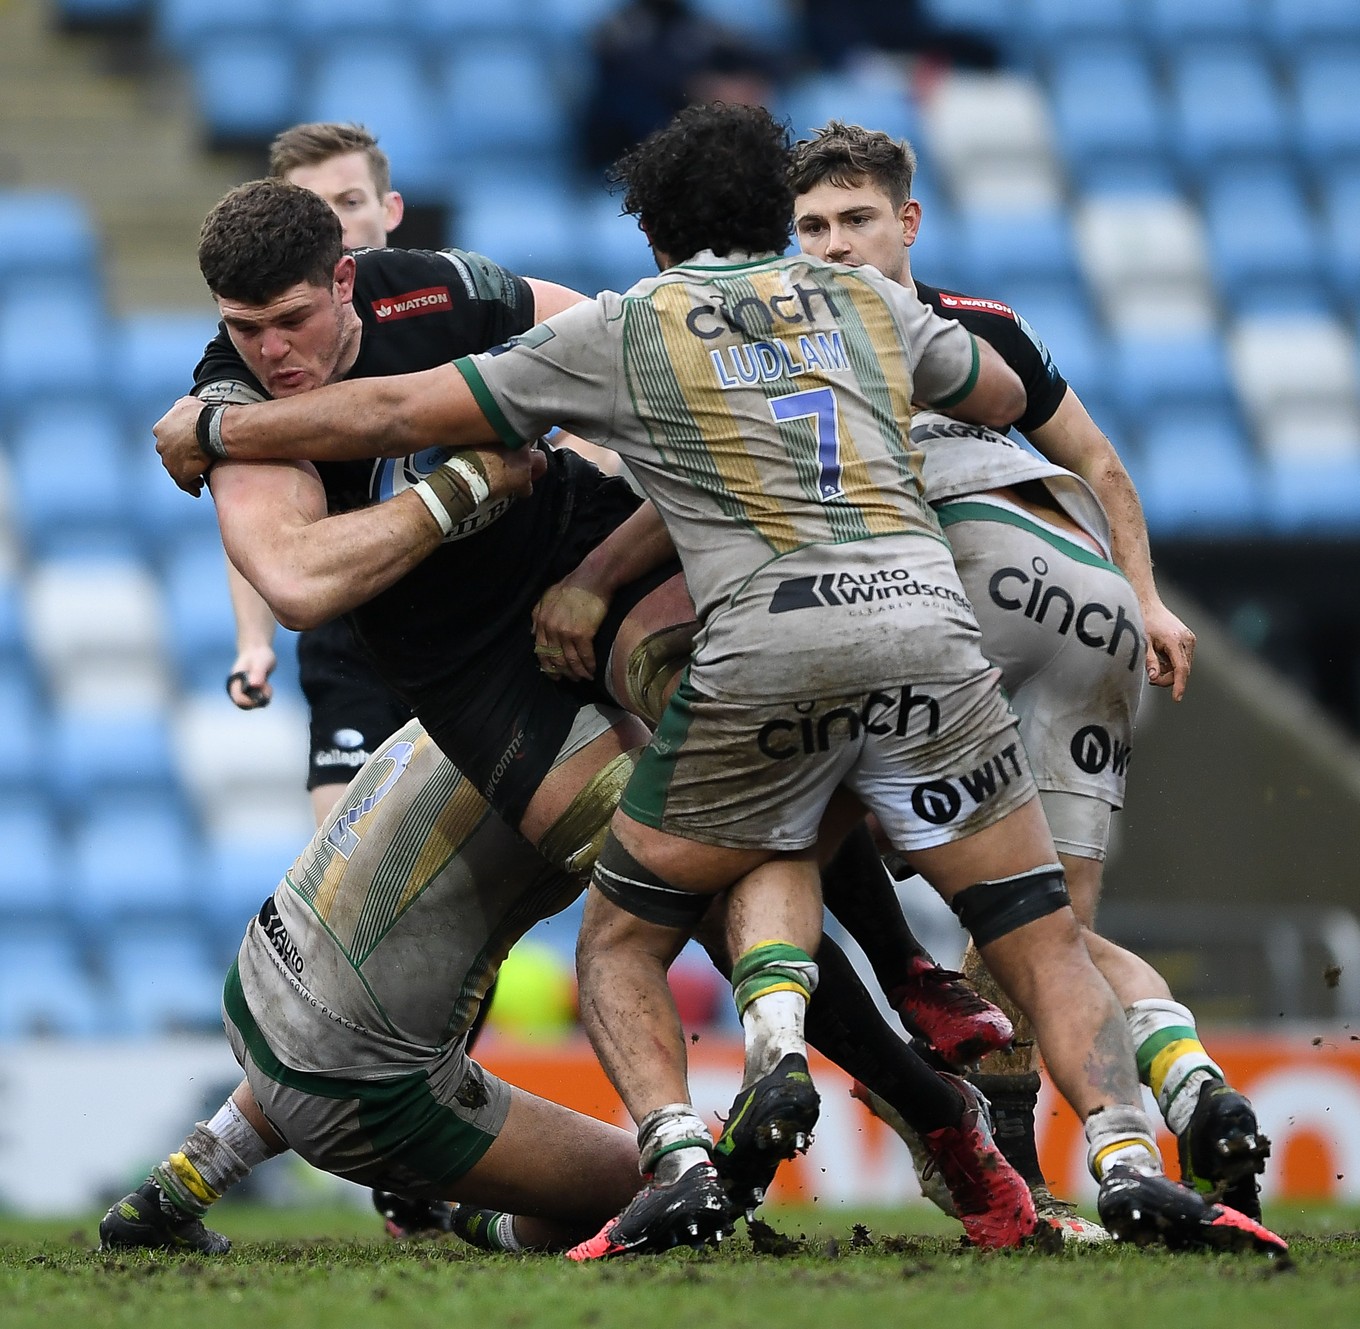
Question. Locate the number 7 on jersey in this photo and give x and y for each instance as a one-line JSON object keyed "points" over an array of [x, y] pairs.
{"points": [[816, 404]]}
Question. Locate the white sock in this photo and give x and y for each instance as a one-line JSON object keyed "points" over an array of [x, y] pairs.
{"points": [[774, 1028]]}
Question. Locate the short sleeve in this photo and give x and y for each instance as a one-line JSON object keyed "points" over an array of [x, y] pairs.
{"points": [[562, 372]]}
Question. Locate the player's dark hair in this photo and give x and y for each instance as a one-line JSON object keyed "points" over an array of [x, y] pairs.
{"points": [[266, 236], [317, 142], [716, 177], [849, 155]]}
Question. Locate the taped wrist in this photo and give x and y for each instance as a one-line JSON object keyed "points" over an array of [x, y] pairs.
{"points": [[454, 491], [208, 431]]}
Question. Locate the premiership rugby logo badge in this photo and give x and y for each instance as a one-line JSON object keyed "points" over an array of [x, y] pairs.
{"points": [[428, 300]]}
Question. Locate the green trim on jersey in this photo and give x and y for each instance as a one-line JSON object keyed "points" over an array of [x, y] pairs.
{"points": [[954, 511], [725, 267], [399, 1118], [495, 417], [969, 383], [645, 797]]}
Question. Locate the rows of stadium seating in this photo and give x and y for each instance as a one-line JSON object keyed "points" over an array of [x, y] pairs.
{"points": [[1167, 191]]}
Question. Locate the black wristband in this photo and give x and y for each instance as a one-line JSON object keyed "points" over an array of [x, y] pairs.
{"points": [[208, 431]]}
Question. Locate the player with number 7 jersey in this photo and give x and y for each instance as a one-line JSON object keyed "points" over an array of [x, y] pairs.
{"points": [[776, 395]]}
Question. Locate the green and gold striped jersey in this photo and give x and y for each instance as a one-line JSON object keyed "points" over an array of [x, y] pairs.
{"points": [[377, 948], [764, 404]]}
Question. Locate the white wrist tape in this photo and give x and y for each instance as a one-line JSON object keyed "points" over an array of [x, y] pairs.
{"points": [[478, 491]]}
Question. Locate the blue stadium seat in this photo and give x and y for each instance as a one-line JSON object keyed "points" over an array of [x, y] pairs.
{"points": [[187, 26], [1004, 248], [1295, 23], [161, 978], [1063, 321], [200, 627], [1171, 23], [70, 477], [45, 987], [245, 84], [1108, 111], [1060, 21], [239, 875], [155, 355], [1001, 20], [51, 341], [24, 725], [529, 225], [1251, 276], [1184, 370], [96, 753], [1341, 234], [1195, 471], [33, 872], [43, 233], [164, 515], [616, 250], [567, 21], [1325, 85], [132, 857], [1308, 496], [444, 22], [499, 102], [857, 99], [1226, 105], [358, 21], [383, 84]]}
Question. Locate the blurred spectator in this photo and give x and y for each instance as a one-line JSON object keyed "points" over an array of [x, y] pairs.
{"points": [[650, 59], [833, 33]]}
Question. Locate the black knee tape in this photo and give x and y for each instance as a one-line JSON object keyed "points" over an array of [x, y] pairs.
{"points": [[991, 909], [639, 891]]}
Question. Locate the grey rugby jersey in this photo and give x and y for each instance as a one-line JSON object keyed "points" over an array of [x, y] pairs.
{"points": [[764, 404]]}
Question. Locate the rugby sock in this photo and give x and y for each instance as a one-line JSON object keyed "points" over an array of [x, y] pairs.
{"points": [[671, 1140], [1013, 1099], [487, 1229], [215, 1156], [1172, 1061], [1120, 1134], [771, 984], [843, 1023]]}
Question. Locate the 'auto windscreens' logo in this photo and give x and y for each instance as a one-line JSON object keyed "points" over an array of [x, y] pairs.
{"points": [[427, 300], [834, 589]]}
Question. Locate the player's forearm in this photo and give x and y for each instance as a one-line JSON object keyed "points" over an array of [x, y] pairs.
{"points": [[633, 549], [310, 574], [255, 621], [1129, 546], [371, 417]]}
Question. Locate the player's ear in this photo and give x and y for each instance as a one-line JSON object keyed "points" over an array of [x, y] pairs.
{"points": [[343, 280], [394, 209], [910, 216]]}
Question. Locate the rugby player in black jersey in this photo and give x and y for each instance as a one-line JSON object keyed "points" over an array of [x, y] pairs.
{"points": [[350, 709], [854, 206]]}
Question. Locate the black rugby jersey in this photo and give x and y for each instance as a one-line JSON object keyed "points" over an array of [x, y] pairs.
{"points": [[1014, 340], [421, 309]]}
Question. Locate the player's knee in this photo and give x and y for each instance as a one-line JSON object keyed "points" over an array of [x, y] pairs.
{"points": [[994, 909], [639, 891], [573, 841], [652, 664]]}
